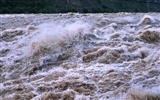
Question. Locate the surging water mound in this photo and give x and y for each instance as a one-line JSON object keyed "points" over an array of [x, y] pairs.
{"points": [[151, 35], [52, 37], [144, 94], [81, 56], [147, 20]]}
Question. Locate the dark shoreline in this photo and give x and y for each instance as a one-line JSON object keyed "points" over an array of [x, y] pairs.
{"points": [[81, 6]]}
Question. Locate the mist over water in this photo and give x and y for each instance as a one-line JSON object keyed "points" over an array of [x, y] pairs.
{"points": [[80, 56]]}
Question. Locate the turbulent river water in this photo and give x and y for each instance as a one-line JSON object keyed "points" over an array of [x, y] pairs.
{"points": [[80, 56]]}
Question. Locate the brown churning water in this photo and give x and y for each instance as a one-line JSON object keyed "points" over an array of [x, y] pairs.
{"points": [[80, 56]]}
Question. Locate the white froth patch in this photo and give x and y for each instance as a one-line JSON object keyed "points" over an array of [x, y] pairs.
{"points": [[126, 19], [6, 75], [1, 86], [82, 97], [51, 36]]}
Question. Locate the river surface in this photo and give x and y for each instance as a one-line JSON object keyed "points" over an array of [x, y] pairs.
{"points": [[80, 56]]}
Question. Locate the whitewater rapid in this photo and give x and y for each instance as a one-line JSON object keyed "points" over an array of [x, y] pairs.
{"points": [[80, 56]]}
